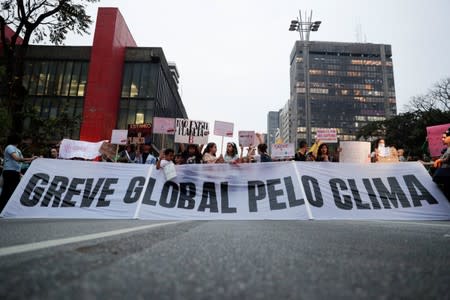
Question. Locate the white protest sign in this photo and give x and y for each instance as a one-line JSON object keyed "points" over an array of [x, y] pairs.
{"points": [[223, 128], [119, 137], [164, 125], [283, 150], [191, 131], [354, 152], [79, 149], [326, 135], [247, 138]]}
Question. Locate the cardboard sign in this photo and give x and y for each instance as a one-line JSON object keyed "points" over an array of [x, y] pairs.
{"points": [[223, 128], [354, 152], [326, 135], [283, 150], [139, 133], [434, 136], [247, 138], [191, 131], [164, 125], [119, 137]]}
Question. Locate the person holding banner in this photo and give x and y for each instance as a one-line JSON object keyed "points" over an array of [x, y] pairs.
{"points": [[11, 168], [146, 157], [192, 155], [209, 154], [262, 150], [301, 154], [231, 155], [442, 173]]}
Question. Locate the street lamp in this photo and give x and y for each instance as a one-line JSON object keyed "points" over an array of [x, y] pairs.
{"points": [[304, 27]]}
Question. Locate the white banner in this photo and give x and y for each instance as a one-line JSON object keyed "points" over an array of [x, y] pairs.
{"points": [[80, 149], [277, 190], [76, 189], [191, 131]]}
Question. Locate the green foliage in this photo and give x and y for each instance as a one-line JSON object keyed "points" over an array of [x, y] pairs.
{"points": [[408, 130]]}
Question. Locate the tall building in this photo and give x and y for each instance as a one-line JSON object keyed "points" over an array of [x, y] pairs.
{"points": [[111, 84], [273, 128], [351, 84]]}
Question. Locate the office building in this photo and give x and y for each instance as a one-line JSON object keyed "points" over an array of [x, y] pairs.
{"points": [[111, 84], [351, 84]]}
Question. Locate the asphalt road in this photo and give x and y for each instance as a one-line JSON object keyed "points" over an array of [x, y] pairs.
{"points": [[224, 259]]}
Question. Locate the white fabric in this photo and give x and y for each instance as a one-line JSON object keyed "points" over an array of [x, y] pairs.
{"points": [[402, 191], [80, 149]]}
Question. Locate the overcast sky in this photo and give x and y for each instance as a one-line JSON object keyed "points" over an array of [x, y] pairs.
{"points": [[233, 55]]}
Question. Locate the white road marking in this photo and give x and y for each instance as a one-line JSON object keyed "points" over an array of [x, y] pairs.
{"points": [[415, 223], [53, 243]]}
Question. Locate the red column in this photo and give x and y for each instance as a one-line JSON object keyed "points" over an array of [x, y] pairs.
{"points": [[104, 83]]}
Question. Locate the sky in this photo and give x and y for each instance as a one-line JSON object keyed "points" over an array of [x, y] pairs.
{"points": [[233, 55]]}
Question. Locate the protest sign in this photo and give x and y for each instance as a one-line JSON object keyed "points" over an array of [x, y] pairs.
{"points": [[223, 128], [282, 150], [191, 131], [164, 125], [434, 137], [247, 138], [354, 152], [326, 135], [119, 137], [140, 133]]}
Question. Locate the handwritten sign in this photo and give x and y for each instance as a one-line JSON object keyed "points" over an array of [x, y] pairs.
{"points": [[327, 135], [191, 131], [140, 133], [247, 138], [164, 125], [283, 150], [223, 128], [119, 136]]}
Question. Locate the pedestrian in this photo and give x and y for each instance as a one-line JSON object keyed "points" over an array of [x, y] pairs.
{"points": [[12, 168]]}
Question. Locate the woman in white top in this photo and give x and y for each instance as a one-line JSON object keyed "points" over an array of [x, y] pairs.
{"points": [[209, 154], [231, 155]]}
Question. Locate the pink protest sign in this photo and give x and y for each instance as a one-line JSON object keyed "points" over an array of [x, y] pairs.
{"points": [[434, 135], [164, 125], [223, 128]]}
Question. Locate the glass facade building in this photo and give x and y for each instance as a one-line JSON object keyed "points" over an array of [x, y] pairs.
{"points": [[108, 85], [351, 84]]}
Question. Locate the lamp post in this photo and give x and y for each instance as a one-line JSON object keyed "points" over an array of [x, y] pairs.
{"points": [[304, 27]]}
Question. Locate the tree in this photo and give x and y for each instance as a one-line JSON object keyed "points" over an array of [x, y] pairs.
{"points": [[437, 98], [408, 130], [36, 21]]}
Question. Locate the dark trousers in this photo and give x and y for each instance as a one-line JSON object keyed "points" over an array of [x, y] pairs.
{"points": [[10, 181]]}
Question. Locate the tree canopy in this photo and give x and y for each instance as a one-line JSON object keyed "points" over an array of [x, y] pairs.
{"points": [[32, 21], [408, 130]]}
